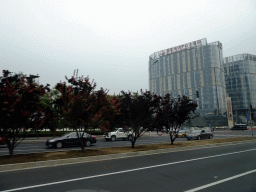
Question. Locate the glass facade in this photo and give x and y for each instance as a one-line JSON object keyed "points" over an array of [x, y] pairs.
{"points": [[240, 77], [183, 70]]}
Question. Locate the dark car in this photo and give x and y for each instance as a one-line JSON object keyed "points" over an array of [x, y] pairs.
{"points": [[200, 134], [2, 140], [239, 127], [71, 139]]}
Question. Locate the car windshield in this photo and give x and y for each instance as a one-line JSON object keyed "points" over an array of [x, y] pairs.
{"points": [[74, 134], [196, 131], [66, 134]]}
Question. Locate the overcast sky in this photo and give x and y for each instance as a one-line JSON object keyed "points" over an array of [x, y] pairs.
{"points": [[110, 41]]}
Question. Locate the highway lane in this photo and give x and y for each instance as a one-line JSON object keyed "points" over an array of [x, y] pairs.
{"points": [[38, 146], [33, 146], [176, 171]]}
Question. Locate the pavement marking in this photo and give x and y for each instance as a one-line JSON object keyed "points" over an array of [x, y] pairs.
{"points": [[221, 181], [127, 156], [125, 171]]}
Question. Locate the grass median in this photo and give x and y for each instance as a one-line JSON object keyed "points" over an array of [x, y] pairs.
{"points": [[23, 158]]}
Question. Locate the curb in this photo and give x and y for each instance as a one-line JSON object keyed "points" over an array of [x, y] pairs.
{"points": [[59, 162]]}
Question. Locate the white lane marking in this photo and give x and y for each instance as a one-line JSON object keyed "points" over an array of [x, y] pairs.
{"points": [[125, 171], [221, 181], [200, 147]]}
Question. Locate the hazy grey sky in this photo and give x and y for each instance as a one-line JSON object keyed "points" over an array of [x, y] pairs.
{"points": [[110, 41]]}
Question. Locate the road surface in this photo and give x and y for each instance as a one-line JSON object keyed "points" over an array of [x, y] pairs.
{"points": [[38, 146], [224, 168]]}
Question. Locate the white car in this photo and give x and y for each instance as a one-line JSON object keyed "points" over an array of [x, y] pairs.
{"points": [[118, 133]]}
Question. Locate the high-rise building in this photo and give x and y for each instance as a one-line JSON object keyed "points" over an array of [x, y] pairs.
{"points": [[240, 78], [191, 67]]}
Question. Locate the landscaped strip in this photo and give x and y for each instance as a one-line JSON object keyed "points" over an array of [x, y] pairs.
{"points": [[71, 157]]}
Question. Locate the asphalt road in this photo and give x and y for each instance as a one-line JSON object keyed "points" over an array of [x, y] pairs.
{"points": [[224, 168], [35, 146], [38, 146]]}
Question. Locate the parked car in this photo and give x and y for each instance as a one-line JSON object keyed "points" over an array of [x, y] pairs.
{"points": [[118, 133], [71, 139], [2, 140], [200, 134], [239, 127], [182, 133]]}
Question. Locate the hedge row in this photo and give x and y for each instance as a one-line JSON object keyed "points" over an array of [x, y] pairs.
{"points": [[57, 133]]}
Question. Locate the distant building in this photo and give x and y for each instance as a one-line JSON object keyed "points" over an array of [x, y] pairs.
{"points": [[185, 69], [240, 78]]}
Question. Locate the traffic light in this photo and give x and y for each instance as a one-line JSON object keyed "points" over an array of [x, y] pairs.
{"points": [[197, 94]]}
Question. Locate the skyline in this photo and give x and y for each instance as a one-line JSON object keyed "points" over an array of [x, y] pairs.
{"points": [[111, 41]]}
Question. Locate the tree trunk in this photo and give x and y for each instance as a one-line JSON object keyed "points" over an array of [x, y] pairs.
{"points": [[11, 148], [133, 142], [11, 151], [171, 138], [81, 144]]}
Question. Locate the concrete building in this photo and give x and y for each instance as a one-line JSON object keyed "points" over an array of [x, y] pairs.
{"points": [[240, 78], [191, 67]]}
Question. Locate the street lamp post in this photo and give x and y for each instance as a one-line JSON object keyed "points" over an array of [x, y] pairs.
{"points": [[251, 118]]}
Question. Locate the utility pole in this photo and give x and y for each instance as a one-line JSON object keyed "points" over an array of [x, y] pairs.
{"points": [[251, 118], [197, 98]]}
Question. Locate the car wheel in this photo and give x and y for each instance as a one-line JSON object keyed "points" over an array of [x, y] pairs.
{"points": [[59, 144], [183, 136], [87, 143], [107, 139], [199, 138], [113, 138], [188, 138], [210, 137]]}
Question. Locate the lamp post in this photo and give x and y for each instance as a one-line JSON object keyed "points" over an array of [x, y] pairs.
{"points": [[251, 118]]}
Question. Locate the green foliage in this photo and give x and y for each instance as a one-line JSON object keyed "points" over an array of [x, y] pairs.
{"points": [[82, 107], [52, 104], [173, 112], [137, 112]]}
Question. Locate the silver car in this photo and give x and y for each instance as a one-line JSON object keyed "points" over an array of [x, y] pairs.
{"points": [[200, 134]]}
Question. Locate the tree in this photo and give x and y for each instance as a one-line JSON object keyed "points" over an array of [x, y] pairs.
{"points": [[110, 114], [137, 112], [173, 112], [164, 112], [20, 106], [53, 113], [81, 104]]}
